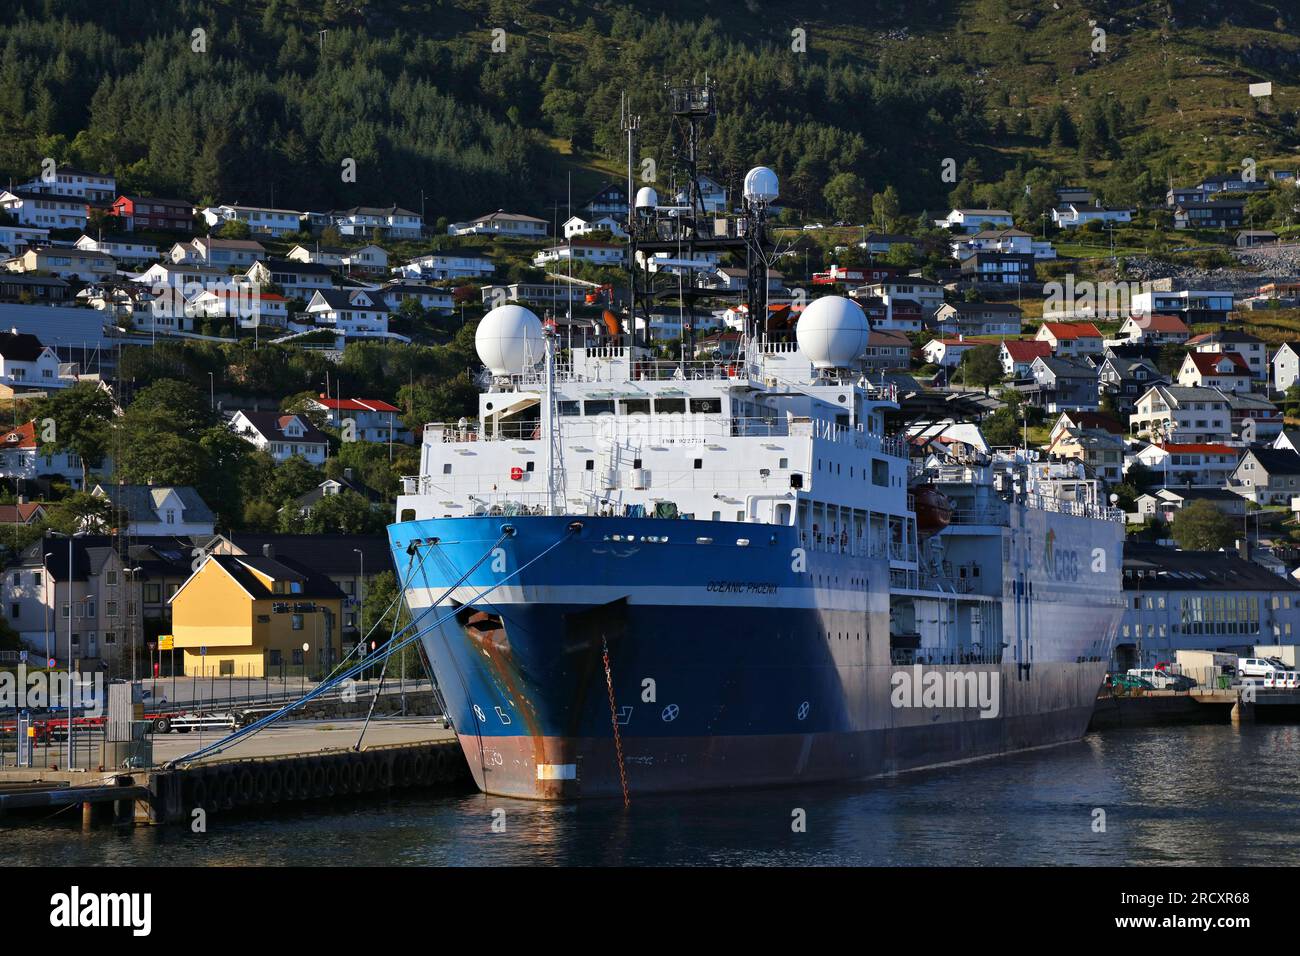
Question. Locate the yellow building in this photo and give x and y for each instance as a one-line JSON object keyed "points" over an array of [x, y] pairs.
{"points": [[250, 615]]}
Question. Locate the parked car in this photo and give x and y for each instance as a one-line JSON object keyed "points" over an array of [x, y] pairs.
{"points": [[1130, 682], [1256, 667], [1288, 680], [1159, 679]]}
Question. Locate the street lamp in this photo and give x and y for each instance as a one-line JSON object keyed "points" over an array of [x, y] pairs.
{"points": [[361, 601], [130, 621], [45, 564], [305, 648]]}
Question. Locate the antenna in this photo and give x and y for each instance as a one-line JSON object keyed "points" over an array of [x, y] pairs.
{"points": [[631, 124]]}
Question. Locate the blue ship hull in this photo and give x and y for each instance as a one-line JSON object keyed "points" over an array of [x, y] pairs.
{"points": [[735, 659]]}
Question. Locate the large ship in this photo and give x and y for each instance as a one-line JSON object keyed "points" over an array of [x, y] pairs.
{"points": [[644, 576], [638, 575]]}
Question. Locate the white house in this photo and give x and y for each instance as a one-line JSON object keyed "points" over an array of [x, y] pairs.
{"points": [[501, 223], [926, 292], [121, 248], [66, 262], [250, 306], [1224, 370], [577, 226], [440, 267], [44, 210], [582, 250], [1252, 349], [20, 457], [218, 253], [974, 220], [25, 361], [95, 188], [281, 435], [15, 239], [373, 419], [946, 352], [391, 221], [260, 219], [1286, 365], [994, 240], [1073, 215], [1181, 413], [1071, 339], [1198, 465], [1154, 330], [153, 510], [427, 297], [189, 279], [295, 278], [356, 313]]}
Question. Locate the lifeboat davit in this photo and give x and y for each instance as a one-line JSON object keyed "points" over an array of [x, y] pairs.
{"points": [[933, 509]]}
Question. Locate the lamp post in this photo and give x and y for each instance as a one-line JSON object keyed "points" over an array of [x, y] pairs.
{"points": [[45, 564], [305, 648], [130, 621], [212, 393]]}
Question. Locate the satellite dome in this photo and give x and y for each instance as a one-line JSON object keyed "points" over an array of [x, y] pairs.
{"points": [[509, 340], [761, 185], [832, 332], [646, 198]]}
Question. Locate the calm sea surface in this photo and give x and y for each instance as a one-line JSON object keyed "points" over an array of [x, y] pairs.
{"points": [[1185, 795]]}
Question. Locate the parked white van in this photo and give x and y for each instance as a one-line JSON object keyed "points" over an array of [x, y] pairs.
{"points": [[1256, 667], [1283, 679]]}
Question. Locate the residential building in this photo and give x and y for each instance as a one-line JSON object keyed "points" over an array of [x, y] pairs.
{"points": [[249, 615], [1220, 214], [975, 220], [187, 279], [95, 189], [1200, 600], [1253, 350], [1060, 384], [1126, 379], [1002, 268], [372, 419], [429, 298], [1248, 238], [121, 248], [351, 561], [927, 293], [353, 312], [282, 436], [946, 352], [1190, 306], [25, 361], [1222, 370], [501, 223], [43, 210], [1074, 215], [610, 202], [1071, 339], [1267, 476], [20, 287], [880, 243], [1074, 194], [22, 512], [1288, 439], [251, 308], [1164, 503], [886, 350], [64, 262], [582, 250], [259, 219], [1190, 465], [158, 510], [576, 226], [295, 278], [1074, 419], [1286, 365], [218, 253], [1180, 413], [1017, 356], [392, 222], [153, 213], [346, 482], [21, 459], [16, 239], [440, 267], [1101, 452], [978, 318], [1154, 329], [1252, 417]]}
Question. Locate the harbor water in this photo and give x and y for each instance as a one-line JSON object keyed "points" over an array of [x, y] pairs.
{"points": [[1207, 795]]}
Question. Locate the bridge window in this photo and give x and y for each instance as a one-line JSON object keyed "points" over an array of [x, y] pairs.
{"points": [[569, 409], [635, 406], [603, 407], [670, 406]]}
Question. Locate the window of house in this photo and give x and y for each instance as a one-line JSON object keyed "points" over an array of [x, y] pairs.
{"points": [[152, 593], [110, 608], [297, 655], [296, 621], [13, 610], [110, 637], [110, 578]]}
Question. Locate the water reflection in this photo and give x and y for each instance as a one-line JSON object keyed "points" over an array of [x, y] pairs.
{"points": [[1188, 795]]}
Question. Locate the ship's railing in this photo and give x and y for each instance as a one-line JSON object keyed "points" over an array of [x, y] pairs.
{"points": [[993, 513], [1083, 509]]}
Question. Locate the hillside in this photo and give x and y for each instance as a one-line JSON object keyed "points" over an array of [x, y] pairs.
{"points": [[1010, 90]]}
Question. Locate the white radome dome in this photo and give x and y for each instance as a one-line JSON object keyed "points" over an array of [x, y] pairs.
{"points": [[832, 332], [509, 340], [761, 185], [646, 198]]}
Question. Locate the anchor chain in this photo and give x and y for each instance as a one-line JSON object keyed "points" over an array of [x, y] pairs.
{"points": [[613, 719]]}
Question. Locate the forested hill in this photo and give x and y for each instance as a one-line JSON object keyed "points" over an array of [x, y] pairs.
{"points": [[262, 107]]}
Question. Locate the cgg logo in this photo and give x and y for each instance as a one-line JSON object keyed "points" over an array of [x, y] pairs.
{"points": [[1062, 564]]}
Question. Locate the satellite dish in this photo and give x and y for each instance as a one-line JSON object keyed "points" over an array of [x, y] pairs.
{"points": [[761, 185], [646, 198], [509, 340], [832, 332]]}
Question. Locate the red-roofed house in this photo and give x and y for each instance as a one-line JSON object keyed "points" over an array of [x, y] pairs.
{"points": [[282, 436], [1154, 329], [1225, 370], [1070, 339], [1203, 465], [1018, 356], [20, 457], [946, 352], [373, 419], [24, 512]]}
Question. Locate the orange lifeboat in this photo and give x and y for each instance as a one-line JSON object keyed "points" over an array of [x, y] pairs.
{"points": [[933, 509]]}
